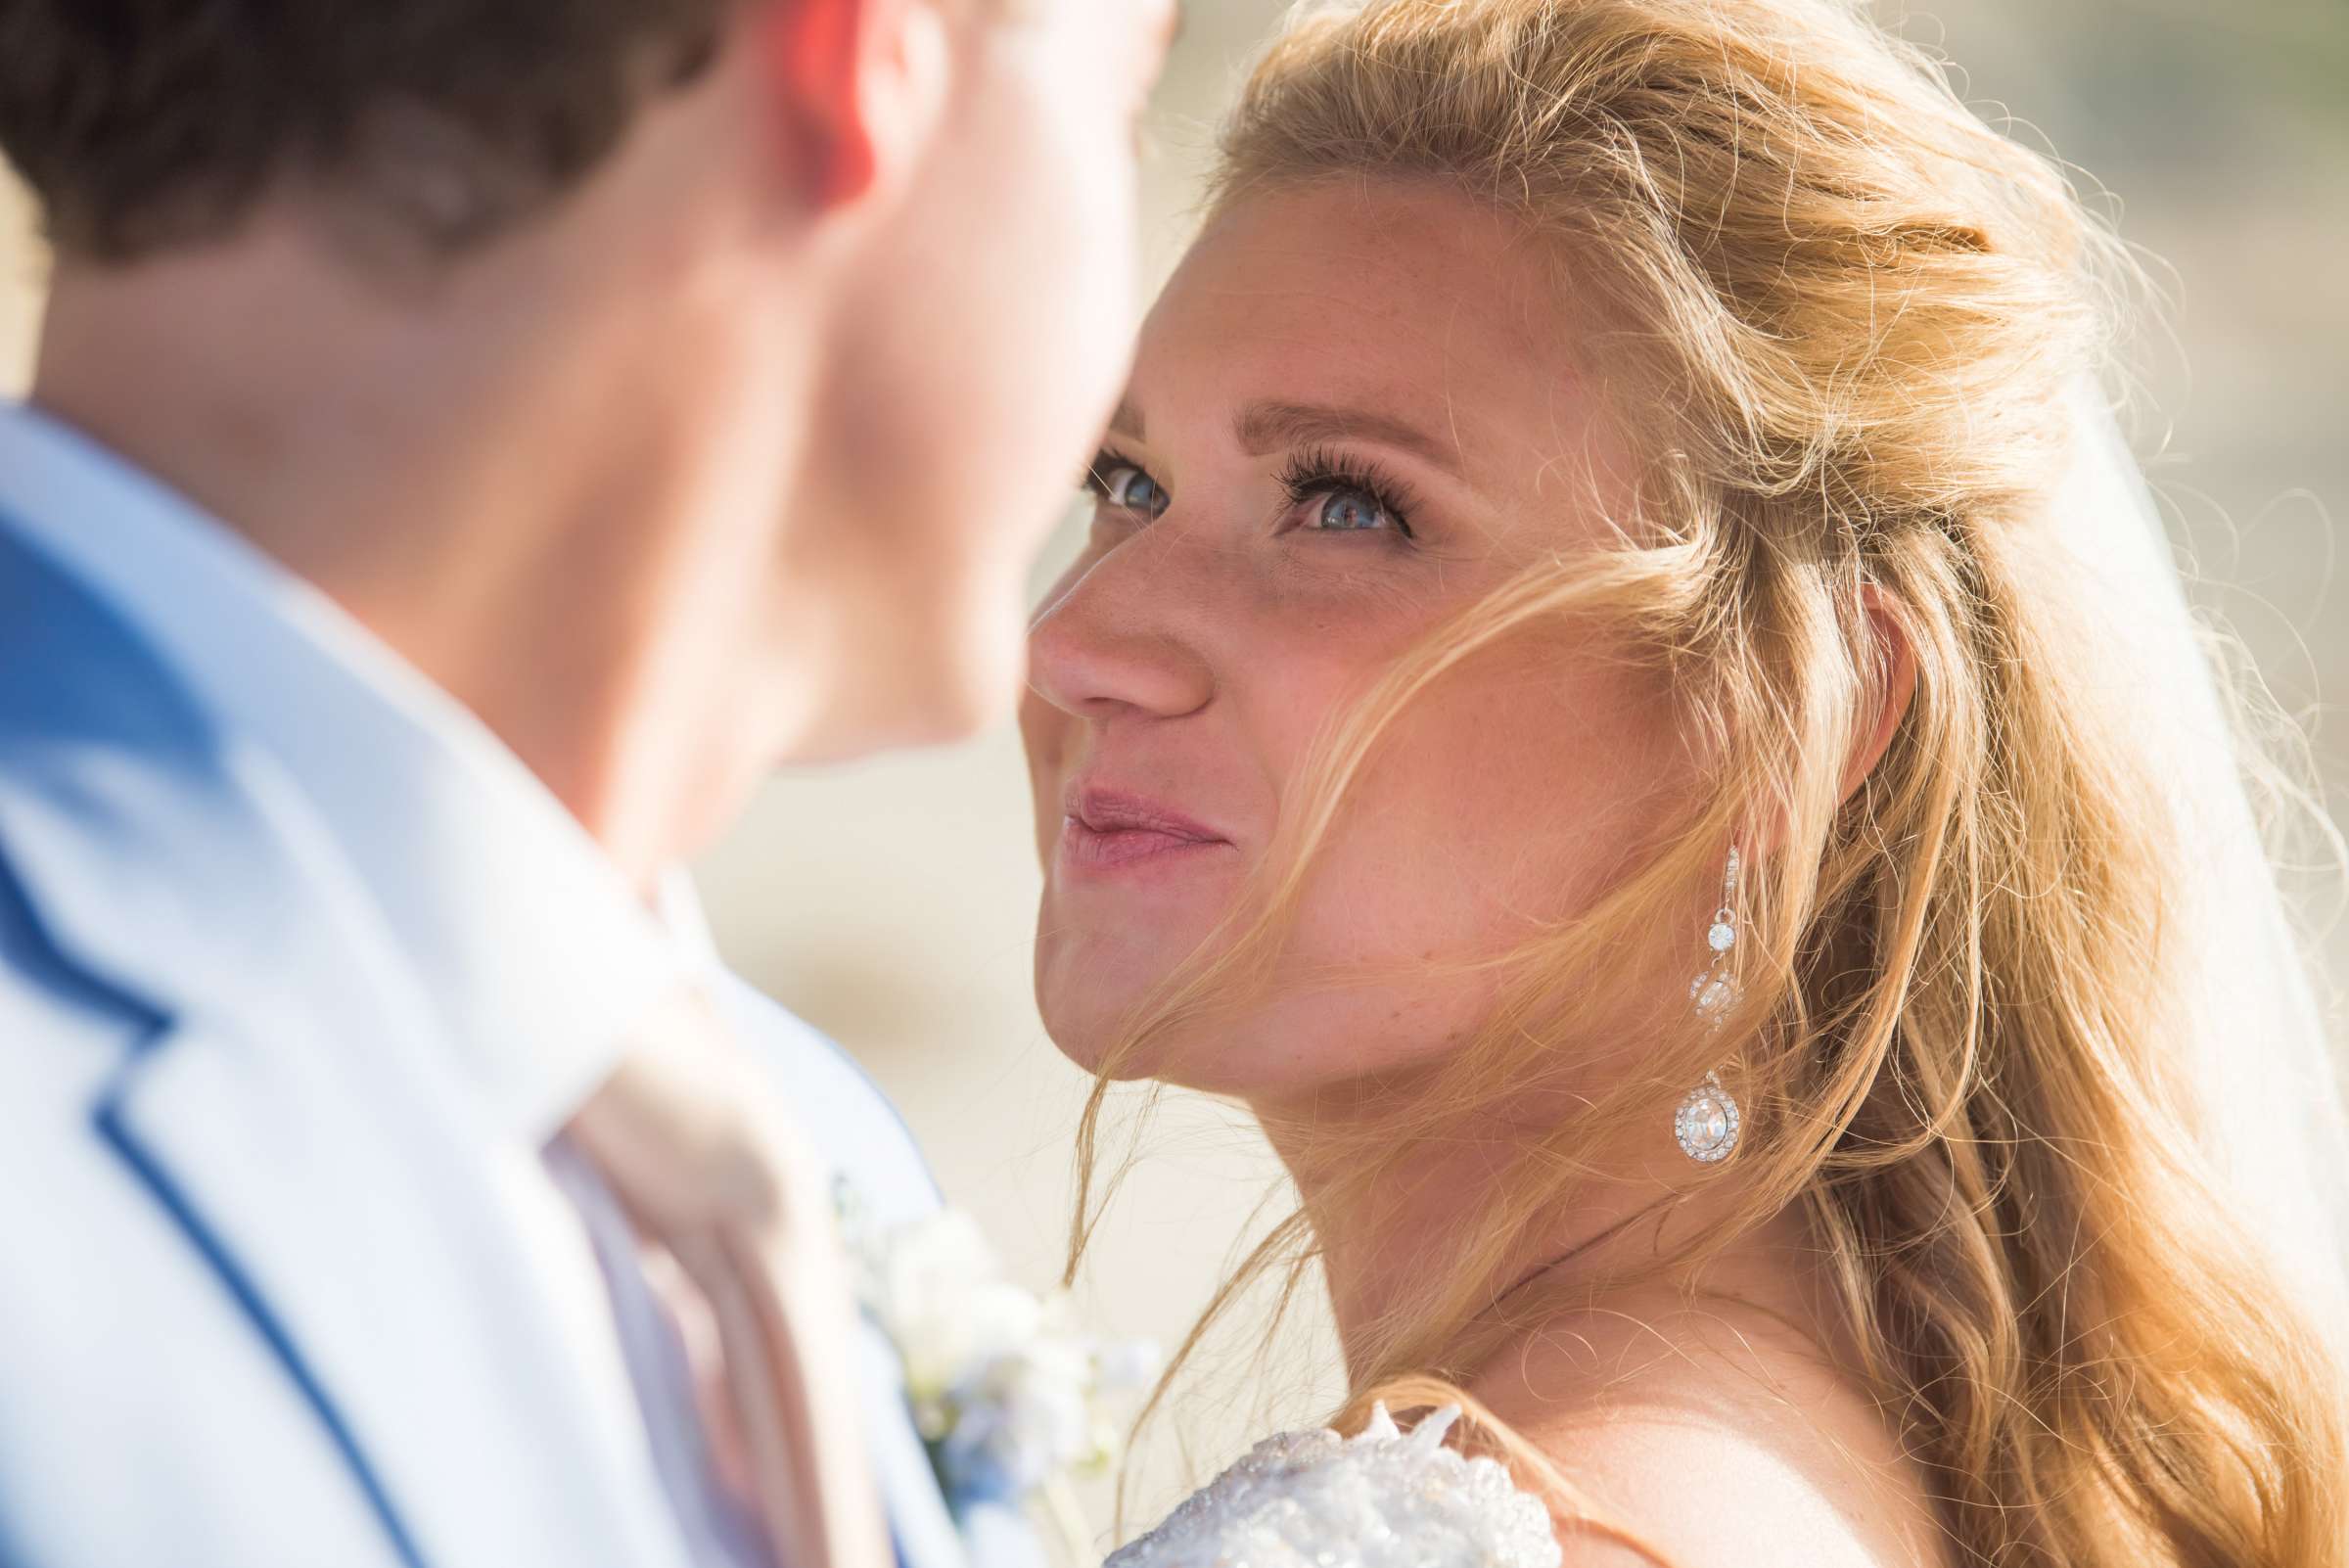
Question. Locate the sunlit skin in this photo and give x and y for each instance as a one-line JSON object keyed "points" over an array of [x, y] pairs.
{"points": [[1251, 568], [738, 455], [1192, 657], [735, 455]]}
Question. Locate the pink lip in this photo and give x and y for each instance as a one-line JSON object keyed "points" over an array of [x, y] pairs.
{"points": [[1107, 829]]}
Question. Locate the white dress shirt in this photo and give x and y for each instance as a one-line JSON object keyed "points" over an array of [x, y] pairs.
{"points": [[540, 955]]}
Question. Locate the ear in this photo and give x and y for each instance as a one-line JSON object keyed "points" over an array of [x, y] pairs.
{"points": [[1891, 686], [856, 84]]}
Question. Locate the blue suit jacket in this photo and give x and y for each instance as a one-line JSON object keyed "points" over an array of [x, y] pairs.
{"points": [[264, 1296]]}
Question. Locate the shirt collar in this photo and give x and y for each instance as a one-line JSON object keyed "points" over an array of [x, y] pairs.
{"points": [[524, 932]]}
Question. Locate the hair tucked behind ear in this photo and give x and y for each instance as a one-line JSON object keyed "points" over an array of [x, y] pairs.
{"points": [[1841, 319]]}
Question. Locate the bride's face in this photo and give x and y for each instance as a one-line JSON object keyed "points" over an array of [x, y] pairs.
{"points": [[1354, 413]]}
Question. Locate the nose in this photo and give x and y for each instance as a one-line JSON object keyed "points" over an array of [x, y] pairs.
{"points": [[1123, 638]]}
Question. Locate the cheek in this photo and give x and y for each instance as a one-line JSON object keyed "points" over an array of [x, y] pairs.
{"points": [[1529, 792], [1507, 800], [995, 324], [1043, 738], [1048, 258]]}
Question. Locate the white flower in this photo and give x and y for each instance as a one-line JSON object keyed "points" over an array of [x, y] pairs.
{"points": [[1004, 1390], [1129, 1365]]}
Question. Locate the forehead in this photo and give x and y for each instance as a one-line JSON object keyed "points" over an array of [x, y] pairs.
{"points": [[1434, 307]]}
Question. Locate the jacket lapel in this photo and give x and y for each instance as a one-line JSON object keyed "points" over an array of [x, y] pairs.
{"points": [[417, 1277]]}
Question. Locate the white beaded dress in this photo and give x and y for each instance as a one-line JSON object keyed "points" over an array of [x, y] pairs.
{"points": [[1385, 1499]]}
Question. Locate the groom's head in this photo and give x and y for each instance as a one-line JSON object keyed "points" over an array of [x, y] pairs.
{"points": [[146, 126], [857, 270]]}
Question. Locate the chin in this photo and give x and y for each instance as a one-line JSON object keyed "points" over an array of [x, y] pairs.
{"points": [[1081, 1029], [1088, 1021], [955, 710], [1086, 1018], [1285, 1046], [1085, 1048], [946, 690], [1105, 957], [1187, 1060], [979, 673], [973, 687]]}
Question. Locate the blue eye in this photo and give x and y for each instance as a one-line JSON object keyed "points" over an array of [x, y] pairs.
{"points": [[1344, 511], [1331, 493], [1127, 488]]}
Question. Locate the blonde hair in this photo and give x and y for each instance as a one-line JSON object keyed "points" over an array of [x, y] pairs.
{"points": [[1840, 318]]}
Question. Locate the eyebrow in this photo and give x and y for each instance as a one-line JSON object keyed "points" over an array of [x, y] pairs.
{"points": [[1266, 427]]}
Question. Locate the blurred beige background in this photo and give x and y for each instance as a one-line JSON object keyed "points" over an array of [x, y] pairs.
{"points": [[889, 902]]}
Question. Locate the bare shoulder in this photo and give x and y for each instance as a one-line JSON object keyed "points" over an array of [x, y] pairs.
{"points": [[1718, 1437]]}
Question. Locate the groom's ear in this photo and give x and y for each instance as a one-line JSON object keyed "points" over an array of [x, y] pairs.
{"points": [[858, 86]]}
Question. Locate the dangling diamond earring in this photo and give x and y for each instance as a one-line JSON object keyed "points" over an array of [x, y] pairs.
{"points": [[1706, 1122]]}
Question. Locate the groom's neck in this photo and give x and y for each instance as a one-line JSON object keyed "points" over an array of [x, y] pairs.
{"points": [[493, 470]]}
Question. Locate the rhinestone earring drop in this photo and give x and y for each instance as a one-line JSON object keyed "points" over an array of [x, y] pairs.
{"points": [[1706, 1122]]}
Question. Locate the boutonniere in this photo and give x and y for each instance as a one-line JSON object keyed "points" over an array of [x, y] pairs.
{"points": [[1012, 1399]]}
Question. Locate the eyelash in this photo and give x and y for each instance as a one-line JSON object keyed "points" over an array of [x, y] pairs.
{"points": [[1316, 471], [1108, 460], [1309, 473]]}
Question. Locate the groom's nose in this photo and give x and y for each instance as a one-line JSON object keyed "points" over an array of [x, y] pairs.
{"points": [[1124, 639]]}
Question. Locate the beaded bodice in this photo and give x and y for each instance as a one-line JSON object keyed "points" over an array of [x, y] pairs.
{"points": [[1385, 1499]]}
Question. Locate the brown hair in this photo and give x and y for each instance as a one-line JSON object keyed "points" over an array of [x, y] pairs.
{"points": [[1841, 319], [146, 124]]}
